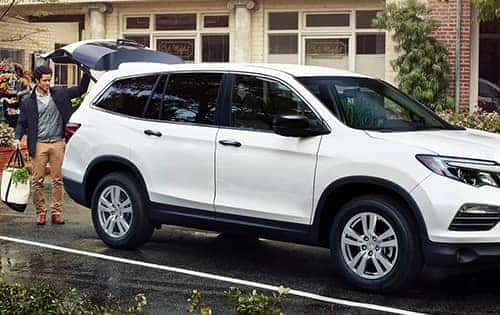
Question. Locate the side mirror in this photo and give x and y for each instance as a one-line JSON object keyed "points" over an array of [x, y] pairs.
{"points": [[296, 126]]}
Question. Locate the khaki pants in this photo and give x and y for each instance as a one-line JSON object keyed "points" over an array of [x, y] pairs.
{"points": [[53, 153]]}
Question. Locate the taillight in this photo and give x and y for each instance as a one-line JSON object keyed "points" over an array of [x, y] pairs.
{"points": [[70, 130]]}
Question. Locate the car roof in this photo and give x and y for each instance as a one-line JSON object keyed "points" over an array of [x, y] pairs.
{"points": [[264, 68]]}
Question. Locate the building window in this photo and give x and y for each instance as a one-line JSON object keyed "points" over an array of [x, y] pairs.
{"points": [[215, 48], [327, 20], [330, 52], [283, 48], [283, 20], [194, 37], [141, 39], [212, 21], [364, 19], [183, 48], [140, 22], [15, 55], [370, 54], [175, 22]]}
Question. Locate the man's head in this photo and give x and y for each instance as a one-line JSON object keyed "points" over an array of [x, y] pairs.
{"points": [[42, 76]]}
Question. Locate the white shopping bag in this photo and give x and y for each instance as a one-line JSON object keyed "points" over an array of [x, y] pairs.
{"points": [[14, 195]]}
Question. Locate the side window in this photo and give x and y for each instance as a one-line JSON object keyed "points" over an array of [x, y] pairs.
{"points": [[128, 96], [257, 101], [191, 97], [154, 107]]}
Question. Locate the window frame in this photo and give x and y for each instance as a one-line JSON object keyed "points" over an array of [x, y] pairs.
{"points": [[303, 32], [181, 34], [102, 92], [228, 97]]}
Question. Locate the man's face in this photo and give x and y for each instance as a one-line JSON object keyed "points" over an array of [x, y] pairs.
{"points": [[44, 82]]}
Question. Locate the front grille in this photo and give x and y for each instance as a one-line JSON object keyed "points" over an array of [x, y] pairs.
{"points": [[474, 221]]}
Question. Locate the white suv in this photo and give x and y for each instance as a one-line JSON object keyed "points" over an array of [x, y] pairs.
{"points": [[294, 153]]}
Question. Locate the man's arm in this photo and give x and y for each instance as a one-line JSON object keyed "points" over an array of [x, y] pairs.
{"points": [[80, 89], [22, 121]]}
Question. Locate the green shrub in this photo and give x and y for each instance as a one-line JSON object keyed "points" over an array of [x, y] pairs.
{"points": [[476, 120], [44, 299], [253, 303], [422, 65]]}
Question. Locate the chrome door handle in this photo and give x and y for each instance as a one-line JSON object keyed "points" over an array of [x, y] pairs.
{"points": [[152, 133], [230, 143]]}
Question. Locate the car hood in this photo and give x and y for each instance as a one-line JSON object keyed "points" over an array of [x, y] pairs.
{"points": [[469, 143]]}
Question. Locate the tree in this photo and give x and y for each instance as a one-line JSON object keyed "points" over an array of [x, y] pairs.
{"points": [[7, 18], [422, 66], [488, 9]]}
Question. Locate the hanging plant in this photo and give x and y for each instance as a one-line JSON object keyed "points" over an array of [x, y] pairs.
{"points": [[423, 67]]}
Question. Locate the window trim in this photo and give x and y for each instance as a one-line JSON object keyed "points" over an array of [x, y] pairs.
{"points": [[329, 28], [134, 30], [223, 109], [319, 32], [229, 97], [196, 34]]}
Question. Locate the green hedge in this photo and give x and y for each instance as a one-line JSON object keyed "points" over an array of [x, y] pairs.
{"points": [[44, 299], [476, 120]]}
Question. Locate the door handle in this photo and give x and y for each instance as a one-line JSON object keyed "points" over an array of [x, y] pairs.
{"points": [[230, 143], [152, 133]]}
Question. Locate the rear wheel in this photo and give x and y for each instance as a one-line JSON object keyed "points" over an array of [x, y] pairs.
{"points": [[374, 244], [118, 212]]}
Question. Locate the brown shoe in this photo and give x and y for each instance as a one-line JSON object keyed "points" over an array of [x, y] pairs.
{"points": [[57, 219], [40, 219]]}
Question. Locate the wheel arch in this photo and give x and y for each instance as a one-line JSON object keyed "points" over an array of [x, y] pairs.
{"points": [[104, 165], [345, 189]]}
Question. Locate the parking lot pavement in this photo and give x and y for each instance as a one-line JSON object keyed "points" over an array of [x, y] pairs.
{"points": [[472, 291]]}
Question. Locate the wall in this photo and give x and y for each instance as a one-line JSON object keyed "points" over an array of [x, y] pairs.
{"points": [[445, 13], [36, 37]]}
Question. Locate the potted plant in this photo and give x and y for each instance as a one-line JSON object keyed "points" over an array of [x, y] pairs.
{"points": [[7, 145]]}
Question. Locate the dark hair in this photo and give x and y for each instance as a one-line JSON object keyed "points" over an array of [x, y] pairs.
{"points": [[41, 70]]}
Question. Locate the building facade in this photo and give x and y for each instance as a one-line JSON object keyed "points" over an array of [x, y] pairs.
{"points": [[333, 33]]}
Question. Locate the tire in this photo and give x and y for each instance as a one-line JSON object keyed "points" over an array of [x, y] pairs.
{"points": [[400, 247], [133, 212]]}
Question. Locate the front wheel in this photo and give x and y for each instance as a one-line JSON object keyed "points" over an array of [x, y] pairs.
{"points": [[118, 212], [374, 244]]}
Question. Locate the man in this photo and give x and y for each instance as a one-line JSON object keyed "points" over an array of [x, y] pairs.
{"points": [[43, 115]]}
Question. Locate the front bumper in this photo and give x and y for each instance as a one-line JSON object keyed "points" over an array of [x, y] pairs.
{"points": [[442, 254], [439, 198]]}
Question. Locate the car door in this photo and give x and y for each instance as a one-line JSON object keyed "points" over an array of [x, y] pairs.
{"points": [[259, 173], [177, 151]]}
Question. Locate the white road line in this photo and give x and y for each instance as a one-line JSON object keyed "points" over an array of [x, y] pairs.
{"points": [[214, 277]]}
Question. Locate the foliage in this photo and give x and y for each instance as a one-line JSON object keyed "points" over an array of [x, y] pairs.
{"points": [[476, 120], [44, 299], [20, 175], [488, 9], [423, 67], [6, 135], [244, 304], [77, 101], [195, 305]]}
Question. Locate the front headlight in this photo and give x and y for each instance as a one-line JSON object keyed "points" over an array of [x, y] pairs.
{"points": [[473, 172]]}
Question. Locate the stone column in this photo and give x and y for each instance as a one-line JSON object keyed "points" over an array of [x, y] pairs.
{"points": [[243, 29], [98, 20]]}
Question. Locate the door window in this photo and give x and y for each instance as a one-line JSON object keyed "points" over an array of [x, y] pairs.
{"points": [[257, 101], [191, 97], [128, 96]]}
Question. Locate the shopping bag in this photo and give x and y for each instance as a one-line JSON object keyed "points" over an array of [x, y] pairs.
{"points": [[15, 194]]}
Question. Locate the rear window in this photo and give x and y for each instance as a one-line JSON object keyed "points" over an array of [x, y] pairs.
{"points": [[128, 96]]}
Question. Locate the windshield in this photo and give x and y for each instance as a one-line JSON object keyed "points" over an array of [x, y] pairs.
{"points": [[370, 104]]}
